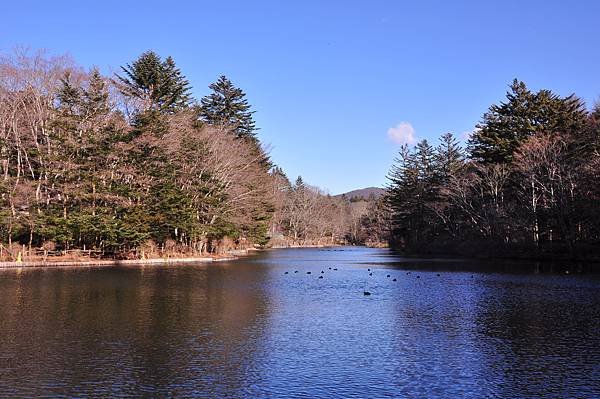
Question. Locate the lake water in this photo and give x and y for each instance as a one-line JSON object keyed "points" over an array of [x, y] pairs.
{"points": [[246, 329]]}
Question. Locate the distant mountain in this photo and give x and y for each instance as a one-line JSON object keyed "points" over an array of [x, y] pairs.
{"points": [[363, 193]]}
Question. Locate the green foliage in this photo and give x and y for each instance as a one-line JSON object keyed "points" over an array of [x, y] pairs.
{"points": [[530, 181], [170, 212], [450, 158], [158, 84], [413, 185], [227, 106], [89, 179], [508, 124]]}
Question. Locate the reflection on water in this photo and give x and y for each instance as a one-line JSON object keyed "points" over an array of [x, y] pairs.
{"points": [[247, 329]]}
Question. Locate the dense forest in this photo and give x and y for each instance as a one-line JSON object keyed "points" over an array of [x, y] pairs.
{"points": [[132, 166], [525, 185]]}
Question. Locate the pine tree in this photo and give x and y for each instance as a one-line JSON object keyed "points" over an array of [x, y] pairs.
{"points": [[158, 84], [412, 192], [68, 94], [449, 158], [299, 184], [95, 97], [400, 197], [507, 125], [227, 106]]}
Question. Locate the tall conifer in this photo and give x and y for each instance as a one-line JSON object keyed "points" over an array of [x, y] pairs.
{"points": [[227, 106]]}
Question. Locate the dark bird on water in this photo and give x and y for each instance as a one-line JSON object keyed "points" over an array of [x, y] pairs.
{"points": [[418, 276], [320, 276], [394, 280], [366, 293], [388, 275], [286, 273], [308, 272], [438, 274], [322, 272], [368, 270], [330, 268], [335, 268], [370, 274], [295, 271]]}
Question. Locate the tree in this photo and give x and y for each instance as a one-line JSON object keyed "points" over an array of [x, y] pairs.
{"points": [[413, 188], [449, 158], [449, 165], [505, 126], [158, 85], [227, 106], [76, 173]]}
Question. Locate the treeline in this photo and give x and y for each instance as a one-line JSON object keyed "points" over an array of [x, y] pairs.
{"points": [[527, 183], [132, 165], [306, 215]]}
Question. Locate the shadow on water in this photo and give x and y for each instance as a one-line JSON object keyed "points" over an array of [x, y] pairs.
{"points": [[518, 266], [111, 332]]}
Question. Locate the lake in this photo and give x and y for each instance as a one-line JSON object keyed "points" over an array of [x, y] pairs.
{"points": [[246, 329]]}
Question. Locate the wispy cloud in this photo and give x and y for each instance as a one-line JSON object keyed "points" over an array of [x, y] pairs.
{"points": [[403, 133]]}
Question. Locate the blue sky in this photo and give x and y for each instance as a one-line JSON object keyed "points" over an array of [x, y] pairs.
{"points": [[329, 79]]}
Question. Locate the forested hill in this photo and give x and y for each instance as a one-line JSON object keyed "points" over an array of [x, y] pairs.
{"points": [[363, 193]]}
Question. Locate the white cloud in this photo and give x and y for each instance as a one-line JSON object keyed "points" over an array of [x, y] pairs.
{"points": [[403, 133]]}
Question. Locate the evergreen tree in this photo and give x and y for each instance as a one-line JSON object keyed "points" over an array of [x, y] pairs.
{"points": [[299, 184], [400, 198], [158, 84], [68, 94], [449, 158], [414, 192], [507, 125], [227, 106], [95, 97]]}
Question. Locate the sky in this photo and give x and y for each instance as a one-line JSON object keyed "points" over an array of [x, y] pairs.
{"points": [[337, 86]]}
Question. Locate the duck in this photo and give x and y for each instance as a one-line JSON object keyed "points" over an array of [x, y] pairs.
{"points": [[388, 275], [320, 276], [308, 272], [285, 273], [394, 280], [335, 269], [370, 274], [366, 293]]}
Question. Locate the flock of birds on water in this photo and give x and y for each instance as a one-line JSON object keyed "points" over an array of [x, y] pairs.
{"points": [[366, 293]]}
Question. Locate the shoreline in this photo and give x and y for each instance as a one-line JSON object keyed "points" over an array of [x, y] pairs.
{"points": [[112, 262], [228, 256]]}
